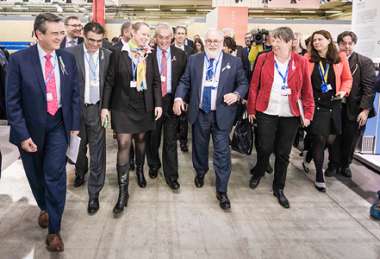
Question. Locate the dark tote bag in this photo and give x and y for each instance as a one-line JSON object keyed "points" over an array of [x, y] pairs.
{"points": [[242, 138]]}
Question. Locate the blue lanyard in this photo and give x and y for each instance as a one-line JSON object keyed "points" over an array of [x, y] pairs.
{"points": [[325, 73], [216, 66], [93, 72], [134, 70], [284, 77]]}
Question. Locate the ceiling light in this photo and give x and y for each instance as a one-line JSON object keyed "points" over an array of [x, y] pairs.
{"points": [[332, 11], [307, 11], [178, 10], [152, 9], [282, 11]]}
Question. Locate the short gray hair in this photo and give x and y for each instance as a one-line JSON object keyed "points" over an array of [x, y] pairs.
{"points": [[163, 26], [219, 32], [284, 33]]}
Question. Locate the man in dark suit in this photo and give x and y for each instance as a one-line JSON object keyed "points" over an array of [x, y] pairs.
{"points": [[73, 27], [171, 62], [92, 61], [43, 108], [356, 108], [213, 83], [125, 35], [180, 34]]}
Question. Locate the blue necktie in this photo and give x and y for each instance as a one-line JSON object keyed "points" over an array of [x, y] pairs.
{"points": [[206, 99]]}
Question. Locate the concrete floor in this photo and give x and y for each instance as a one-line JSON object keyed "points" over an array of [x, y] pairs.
{"points": [[162, 224]]}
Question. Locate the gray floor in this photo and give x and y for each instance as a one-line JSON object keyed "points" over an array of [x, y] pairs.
{"points": [[161, 224]]}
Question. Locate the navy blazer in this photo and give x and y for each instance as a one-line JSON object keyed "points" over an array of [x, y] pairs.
{"points": [[26, 95], [232, 79]]}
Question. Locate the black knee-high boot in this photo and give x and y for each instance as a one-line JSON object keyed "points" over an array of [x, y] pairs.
{"points": [[140, 175], [122, 178]]}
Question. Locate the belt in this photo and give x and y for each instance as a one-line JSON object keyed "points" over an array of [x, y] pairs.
{"points": [[90, 104]]}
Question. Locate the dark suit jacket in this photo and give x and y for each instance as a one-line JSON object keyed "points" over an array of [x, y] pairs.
{"points": [[232, 79], [104, 59], [119, 75], [179, 60], [26, 95], [63, 43], [362, 92]]}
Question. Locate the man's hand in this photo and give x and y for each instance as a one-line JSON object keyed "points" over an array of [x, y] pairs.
{"points": [[74, 133], [306, 123], [105, 117], [251, 118], [362, 117], [231, 98], [179, 106], [157, 112], [28, 145]]}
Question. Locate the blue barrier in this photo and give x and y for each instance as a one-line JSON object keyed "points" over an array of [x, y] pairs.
{"points": [[14, 45]]}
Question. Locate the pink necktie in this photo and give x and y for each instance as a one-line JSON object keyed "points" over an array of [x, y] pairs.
{"points": [[51, 90], [164, 73]]}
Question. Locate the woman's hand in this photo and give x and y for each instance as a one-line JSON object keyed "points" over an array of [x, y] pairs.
{"points": [[157, 113], [251, 118], [340, 94], [306, 123]]}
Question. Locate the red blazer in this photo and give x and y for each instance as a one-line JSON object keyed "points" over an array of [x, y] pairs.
{"points": [[298, 81], [343, 77]]}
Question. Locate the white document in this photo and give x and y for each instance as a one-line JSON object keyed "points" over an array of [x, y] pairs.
{"points": [[302, 113], [73, 150]]}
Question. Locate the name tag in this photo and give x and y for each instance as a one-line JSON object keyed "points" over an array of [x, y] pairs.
{"points": [[329, 87], [213, 84], [163, 79], [133, 84], [49, 97], [286, 91]]}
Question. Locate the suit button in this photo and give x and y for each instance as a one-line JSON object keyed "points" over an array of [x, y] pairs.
{"points": [[330, 110], [318, 108], [319, 98]]}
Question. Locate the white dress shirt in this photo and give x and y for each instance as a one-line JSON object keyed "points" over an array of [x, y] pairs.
{"points": [[56, 63], [86, 57], [216, 67], [279, 104], [71, 42], [168, 67]]}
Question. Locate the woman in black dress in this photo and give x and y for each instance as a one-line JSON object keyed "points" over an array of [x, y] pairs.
{"points": [[133, 95], [331, 80]]}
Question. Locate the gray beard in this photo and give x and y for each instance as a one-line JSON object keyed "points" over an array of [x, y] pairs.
{"points": [[212, 54]]}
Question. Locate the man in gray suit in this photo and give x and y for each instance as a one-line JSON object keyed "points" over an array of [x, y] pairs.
{"points": [[92, 61]]}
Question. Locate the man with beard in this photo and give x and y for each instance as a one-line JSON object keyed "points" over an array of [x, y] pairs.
{"points": [[73, 27], [213, 92]]}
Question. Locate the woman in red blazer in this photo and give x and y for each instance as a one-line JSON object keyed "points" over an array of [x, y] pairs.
{"points": [[331, 79], [279, 81]]}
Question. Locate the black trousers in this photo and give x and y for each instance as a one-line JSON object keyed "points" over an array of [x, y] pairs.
{"points": [[275, 135], [183, 128], [168, 122], [342, 150], [92, 134]]}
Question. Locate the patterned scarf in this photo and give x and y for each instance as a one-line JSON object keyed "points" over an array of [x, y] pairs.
{"points": [[138, 56]]}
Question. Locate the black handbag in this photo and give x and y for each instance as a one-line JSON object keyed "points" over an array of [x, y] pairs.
{"points": [[242, 138]]}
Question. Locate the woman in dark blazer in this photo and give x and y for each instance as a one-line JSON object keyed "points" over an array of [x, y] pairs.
{"points": [[133, 95], [331, 79], [280, 93]]}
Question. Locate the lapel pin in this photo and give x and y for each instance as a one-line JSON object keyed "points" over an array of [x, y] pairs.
{"points": [[62, 65], [226, 67]]}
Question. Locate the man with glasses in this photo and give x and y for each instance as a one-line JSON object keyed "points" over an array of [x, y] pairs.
{"points": [[212, 92], [92, 61], [73, 27]]}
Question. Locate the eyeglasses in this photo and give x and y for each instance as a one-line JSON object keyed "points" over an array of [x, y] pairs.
{"points": [[79, 26], [209, 42]]}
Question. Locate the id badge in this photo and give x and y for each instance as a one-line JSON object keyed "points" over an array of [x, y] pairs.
{"points": [[133, 84], [163, 79], [286, 91], [328, 87], [324, 88], [49, 97]]}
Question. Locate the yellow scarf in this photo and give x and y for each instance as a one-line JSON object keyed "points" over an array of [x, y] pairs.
{"points": [[138, 56]]}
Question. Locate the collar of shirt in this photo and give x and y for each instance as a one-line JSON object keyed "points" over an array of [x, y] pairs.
{"points": [[95, 54], [159, 52], [125, 47], [42, 53], [180, 47], [124, 42]]}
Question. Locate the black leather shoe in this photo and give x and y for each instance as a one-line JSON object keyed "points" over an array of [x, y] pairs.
{"points": [[174, 185], [346, 172], [281, 198], [254, 182], [140, 176], [153, 173], [224, 202], [330, 171], [184, 148], [199, 181], [79, 180], [93, 206]]}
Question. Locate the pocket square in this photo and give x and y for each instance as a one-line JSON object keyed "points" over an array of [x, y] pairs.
{"points": [[226, 67]]}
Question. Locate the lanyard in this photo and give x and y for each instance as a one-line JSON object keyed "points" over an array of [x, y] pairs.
{"points": [[134, 71], [52, 72], [284, 77], [213, 69], [92, 71], [323, 73]]}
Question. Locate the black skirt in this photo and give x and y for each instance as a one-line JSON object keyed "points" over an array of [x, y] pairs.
{"points": [[327, 121]]}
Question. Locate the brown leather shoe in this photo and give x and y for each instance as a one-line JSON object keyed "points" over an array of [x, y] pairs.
{"points": [[54, 243], [43, 219]]}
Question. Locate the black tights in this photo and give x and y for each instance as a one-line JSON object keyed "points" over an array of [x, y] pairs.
{"points": [[124, 141], [318, 147]]}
